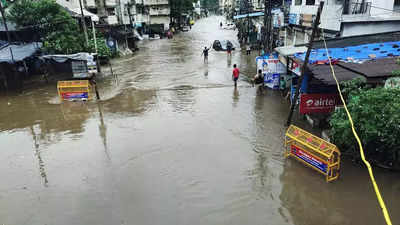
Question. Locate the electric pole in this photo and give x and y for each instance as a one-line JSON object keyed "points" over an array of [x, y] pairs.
{"points": [[270, 26], [130, 15], [304, 66], [84, 24], [265, 40], [267, 26]]}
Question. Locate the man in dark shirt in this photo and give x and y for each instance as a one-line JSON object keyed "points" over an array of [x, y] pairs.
{"points": [[205, 53]]}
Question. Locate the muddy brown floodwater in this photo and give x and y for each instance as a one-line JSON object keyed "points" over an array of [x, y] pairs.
{"points": [[171, 143]]}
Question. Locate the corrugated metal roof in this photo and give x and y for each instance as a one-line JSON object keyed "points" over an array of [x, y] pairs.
{"points": [[20, 52], [379, 68], [323, 73]]}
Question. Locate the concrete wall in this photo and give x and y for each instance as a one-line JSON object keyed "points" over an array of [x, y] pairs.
{"points": [[385, 4], [331, 16], [331, 13], [160, 20], [351, 29], [69, 4]]}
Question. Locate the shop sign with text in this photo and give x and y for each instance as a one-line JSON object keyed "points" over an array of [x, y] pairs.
{"points": [[318, 103]]}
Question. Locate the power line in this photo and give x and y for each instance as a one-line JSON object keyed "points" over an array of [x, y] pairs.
{"points": [[371, 173]]}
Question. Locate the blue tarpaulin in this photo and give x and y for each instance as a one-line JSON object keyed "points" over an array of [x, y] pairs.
{"points": [[3, 43], [19, 52], [358, 53]]}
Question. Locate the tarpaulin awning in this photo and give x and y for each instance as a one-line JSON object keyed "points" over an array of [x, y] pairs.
{"points": [[290, 50], [356, 54], [249, 15], [77, 13], [3, 43], [63, 58], [19, 52]]}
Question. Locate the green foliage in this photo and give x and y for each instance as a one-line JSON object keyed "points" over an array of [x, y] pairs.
{"points": [[352, 87], [376, 117], [396, 72], [60, 32], [102, 49]]}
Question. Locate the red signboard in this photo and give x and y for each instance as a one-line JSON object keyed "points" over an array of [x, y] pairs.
{"points": [[318, 103]]}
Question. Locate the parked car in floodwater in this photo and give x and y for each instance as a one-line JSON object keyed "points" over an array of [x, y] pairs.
{"points": [[221, 45]]}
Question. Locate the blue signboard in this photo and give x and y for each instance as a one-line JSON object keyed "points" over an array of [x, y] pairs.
{"points": [[309, 159]]}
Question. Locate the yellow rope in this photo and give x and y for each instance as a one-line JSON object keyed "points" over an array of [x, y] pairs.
{"points": [[371, 174]]}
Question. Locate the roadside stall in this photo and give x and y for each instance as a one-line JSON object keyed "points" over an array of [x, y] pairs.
{"points": [[82, 69]]}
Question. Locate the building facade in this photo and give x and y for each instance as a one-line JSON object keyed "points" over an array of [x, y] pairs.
{"points": [[159, 12], [343, 18]]}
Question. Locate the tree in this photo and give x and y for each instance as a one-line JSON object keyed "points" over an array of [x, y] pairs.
{"points": [[375, 112], [60, 32]]}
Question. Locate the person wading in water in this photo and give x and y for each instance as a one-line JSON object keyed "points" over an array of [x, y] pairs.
{"points": [[205, 53], [235, 74]]}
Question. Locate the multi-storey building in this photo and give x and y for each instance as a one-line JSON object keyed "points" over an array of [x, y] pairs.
{"points": [[159, 12], [343, 18]]}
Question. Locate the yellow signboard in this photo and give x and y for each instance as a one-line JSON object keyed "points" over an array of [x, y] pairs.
{"points": [[74, 90]]}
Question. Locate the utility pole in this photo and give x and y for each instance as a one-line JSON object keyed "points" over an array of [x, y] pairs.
{"points": [[130, 15], [304, 66], [267, 25], [265, 40], [270, 35], [84, 24], [6, 28]]}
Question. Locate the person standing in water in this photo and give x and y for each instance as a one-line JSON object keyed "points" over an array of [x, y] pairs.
{"points": [[258, 80], [229, 49], [205, 53], [235, 74]]}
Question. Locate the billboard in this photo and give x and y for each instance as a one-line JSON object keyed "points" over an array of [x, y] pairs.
{"points": [[318, 103]]}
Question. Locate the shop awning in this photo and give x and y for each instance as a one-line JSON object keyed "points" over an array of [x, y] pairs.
{"points": [[76, 12], [290, 50], [249, 15]]}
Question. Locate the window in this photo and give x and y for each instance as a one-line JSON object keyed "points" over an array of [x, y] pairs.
{"points": [[310, 2], [111, 12], [297, 2], [396, 6]]}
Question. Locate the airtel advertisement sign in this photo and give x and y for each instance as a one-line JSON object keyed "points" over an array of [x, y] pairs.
{"points": [[318, 103]]}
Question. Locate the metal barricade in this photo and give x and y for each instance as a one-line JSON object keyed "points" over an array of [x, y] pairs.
{"points": [[313, 151], [74, 90]]}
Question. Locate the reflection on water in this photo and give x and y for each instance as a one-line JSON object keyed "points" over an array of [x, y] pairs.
{"points": [[235, 96], [36, 142], [103, 129], [229, 61]]}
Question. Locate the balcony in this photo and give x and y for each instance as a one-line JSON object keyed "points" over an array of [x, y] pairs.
{"points": [[90, 4], [112, 20], [155, 2], [159, 12], [111, 3]]}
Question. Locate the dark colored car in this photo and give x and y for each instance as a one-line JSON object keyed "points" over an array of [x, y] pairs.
{"points": [[222, 45]]}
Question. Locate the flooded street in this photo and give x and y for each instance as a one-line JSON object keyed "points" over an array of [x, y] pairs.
{"points": [[171, 143]]}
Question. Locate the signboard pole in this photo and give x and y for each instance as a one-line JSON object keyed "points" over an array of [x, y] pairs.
{"points": [[304, 67]]}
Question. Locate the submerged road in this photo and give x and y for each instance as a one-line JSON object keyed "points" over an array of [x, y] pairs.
{"points": [[171, 143]]}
